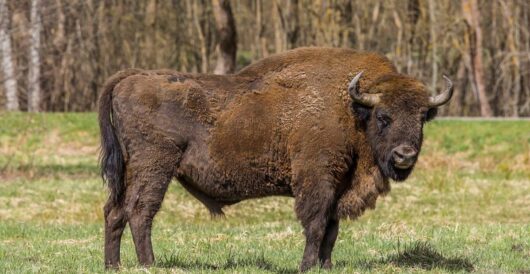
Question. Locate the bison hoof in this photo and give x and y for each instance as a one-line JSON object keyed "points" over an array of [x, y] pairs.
{"points": [[112, 266], [306, 266], [327, 265]]}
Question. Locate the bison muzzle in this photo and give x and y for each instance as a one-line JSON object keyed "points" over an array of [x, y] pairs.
{"points": [[326, 126]]}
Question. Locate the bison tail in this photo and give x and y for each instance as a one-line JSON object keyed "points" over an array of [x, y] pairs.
{"points": [[111, 158]]}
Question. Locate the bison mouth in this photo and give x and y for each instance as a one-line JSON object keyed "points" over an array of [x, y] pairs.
{"points": [[396, 172], [399, 174]]}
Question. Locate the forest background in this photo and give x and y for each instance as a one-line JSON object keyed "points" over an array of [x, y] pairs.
{"points": [[56, 54]]}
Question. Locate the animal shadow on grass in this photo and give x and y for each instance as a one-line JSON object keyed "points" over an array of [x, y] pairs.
{"points": [[231, 263], [419, 255]]}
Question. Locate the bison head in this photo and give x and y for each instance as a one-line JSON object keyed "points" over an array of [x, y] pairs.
{"points": [[392, 111]]}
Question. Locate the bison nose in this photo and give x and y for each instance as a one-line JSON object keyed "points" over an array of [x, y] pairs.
{"points": [[404, 156]]}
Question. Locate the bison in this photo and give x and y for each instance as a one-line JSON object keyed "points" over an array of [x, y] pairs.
{"points": [[326, 126]]}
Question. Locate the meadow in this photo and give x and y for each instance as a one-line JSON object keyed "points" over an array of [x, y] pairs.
{"points": [[466, 208]]}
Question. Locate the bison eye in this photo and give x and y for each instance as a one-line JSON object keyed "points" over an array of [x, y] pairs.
{"points": [[430, 114], [383, 121]]}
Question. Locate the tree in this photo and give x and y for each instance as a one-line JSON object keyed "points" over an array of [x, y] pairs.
{"points": [[260, 39], [34, 91], [292, 23], [434, 44], [277, 23], [472, 17], [56, 54], [200, 34], [226, 30], [9, 81]]}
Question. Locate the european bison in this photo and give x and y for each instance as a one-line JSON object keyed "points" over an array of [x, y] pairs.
{"points": [[294, 124]]}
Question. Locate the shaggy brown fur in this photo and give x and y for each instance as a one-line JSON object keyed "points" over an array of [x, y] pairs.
{"points": [[285, 125]]}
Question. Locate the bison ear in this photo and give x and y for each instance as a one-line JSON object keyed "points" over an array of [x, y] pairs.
{"points": [[362, 112], [431, 114]]}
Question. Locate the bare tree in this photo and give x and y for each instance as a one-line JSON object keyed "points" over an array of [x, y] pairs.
{"points": [[151, 39], [34, 91], [200, 35], [434, 44], [515, 63], [10, 83], [226, 29], [472, 16], [292, 23], [260, 39], [278, 30], [483, 45]]}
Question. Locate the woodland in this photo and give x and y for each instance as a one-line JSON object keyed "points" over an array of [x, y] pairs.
{"points": [[56, 54]]}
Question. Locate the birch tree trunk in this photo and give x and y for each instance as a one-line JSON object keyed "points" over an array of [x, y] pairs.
{"points": [[34, 91], [10, 83], [226, 29], [434, 46]]}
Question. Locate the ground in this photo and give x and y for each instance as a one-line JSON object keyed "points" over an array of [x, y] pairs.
{"points": [[466, 208]]}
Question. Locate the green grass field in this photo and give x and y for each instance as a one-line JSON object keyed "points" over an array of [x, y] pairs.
{"points": [[466, 208]]}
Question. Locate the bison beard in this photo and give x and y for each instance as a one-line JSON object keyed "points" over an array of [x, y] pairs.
{"points": [[292, 124]]}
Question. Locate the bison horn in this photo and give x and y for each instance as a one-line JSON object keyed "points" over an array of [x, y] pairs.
{"points": [[364, 98], [442, 98]]}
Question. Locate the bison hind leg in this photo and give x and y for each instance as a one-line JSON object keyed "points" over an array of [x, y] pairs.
{"points": [[149, 173], [115, 222]]}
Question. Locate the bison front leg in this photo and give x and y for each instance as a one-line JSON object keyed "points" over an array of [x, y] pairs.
{"points": [[332, 230], [314, 203]]}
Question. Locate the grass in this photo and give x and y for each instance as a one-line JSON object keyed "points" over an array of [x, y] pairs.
{"points": [[466, 208]]}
